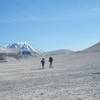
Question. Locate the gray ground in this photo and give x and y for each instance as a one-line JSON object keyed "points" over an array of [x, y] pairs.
{"points": [[74, 77]]}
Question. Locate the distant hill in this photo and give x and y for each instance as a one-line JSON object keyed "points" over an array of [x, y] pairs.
{"points": [[12, 52], [94, 48], [2, 54], [2, 50], [59, 52]]}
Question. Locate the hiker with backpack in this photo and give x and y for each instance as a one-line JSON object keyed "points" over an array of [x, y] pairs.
{"points": [[43, 62], [50, 62]]}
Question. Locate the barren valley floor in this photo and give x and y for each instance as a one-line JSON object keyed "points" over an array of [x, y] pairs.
{"points": [[74, 77]]}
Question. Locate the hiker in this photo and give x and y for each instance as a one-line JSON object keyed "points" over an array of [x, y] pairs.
{"points": [[43, 62], [51, 62]]}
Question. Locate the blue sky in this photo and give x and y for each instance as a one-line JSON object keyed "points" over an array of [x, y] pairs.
{"points": [[50, 24]]}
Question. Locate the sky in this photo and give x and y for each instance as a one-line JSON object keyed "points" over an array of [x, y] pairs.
{"points": [[50, 24]]}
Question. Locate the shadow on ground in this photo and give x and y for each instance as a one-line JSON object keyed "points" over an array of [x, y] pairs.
{"points": [[96, 73]]}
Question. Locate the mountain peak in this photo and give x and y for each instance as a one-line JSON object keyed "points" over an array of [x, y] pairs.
{"points": [[24, 48]]}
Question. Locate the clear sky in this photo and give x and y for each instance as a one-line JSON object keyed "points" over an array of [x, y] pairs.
{"points": [[50, 24]]}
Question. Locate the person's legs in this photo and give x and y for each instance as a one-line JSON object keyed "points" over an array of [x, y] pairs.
{"points": [[42, 65], [50, 66]]}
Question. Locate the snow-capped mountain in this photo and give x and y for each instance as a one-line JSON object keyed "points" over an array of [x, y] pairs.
{"points": [[13, 45], [24, 48]]}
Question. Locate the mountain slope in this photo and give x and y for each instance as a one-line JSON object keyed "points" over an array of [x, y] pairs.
{"points": [[94, 48]]}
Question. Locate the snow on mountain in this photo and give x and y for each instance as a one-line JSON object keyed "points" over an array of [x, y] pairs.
{"points": [[14, 45], [24, 48]]}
